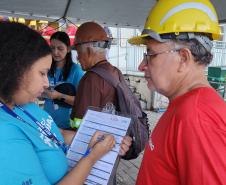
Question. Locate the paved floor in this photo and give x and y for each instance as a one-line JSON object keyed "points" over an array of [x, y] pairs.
{"points": [[127, 170]]}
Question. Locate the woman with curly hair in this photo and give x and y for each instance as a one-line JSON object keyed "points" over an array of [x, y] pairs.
{"points": [[32, 148]]}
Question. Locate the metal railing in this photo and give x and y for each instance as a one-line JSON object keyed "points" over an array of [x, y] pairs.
{"points": [[219, 53], [127, 58]]}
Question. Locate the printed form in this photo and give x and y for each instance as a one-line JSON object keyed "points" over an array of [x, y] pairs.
{"points": [[105, 122]]}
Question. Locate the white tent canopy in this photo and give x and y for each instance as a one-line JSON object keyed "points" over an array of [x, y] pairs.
{"points": [[123, 13]]}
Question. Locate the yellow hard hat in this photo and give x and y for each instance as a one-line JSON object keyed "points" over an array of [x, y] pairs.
{"points": [[179, 16]]}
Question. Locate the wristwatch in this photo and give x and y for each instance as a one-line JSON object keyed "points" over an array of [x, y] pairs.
{"points": [[63, 97]]}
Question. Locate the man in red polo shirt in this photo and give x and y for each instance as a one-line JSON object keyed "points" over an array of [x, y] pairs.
{"points": [[188, 145]]}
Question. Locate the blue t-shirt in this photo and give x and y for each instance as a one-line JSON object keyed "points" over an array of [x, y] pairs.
{"points": [[27, 156], [61, 115]]}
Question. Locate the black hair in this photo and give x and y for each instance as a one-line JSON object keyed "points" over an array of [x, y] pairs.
{"points": [[20, 48], [63, 37]]}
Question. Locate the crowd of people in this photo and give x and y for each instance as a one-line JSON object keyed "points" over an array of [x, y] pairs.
{"points": [[188, 145]]}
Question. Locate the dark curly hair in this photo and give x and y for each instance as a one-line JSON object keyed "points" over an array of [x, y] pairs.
{"points": [[20, 48], [63, 37]]}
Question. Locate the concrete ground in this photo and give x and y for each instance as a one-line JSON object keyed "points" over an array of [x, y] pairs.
{"points": [[127, 170]]}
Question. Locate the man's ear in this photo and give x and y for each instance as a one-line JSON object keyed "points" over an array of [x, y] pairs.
{"points": [[90, 54], [185, 59]]}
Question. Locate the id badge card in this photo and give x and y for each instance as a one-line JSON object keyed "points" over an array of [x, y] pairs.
{"points": [[56, 107]]}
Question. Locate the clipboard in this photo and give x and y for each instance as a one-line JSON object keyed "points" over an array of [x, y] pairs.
{"points": [[105, 120]]}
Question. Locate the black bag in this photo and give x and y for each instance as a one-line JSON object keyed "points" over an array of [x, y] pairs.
{"points": [[128, 105], [64, 88]]}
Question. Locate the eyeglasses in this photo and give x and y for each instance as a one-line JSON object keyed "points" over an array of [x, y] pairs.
{"points": [[76, 46], [100, 44], [150, 56]]}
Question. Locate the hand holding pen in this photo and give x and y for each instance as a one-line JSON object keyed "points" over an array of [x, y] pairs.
{"points": [[100, 144]]}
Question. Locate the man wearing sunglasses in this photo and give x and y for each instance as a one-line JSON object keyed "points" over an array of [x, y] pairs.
{"points": [[188, 145], [91, 44]]}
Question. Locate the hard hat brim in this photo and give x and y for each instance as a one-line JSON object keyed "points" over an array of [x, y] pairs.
{"points": [[138, 40]]}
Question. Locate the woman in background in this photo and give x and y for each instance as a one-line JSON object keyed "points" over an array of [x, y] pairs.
{"points": [[62, 70]]}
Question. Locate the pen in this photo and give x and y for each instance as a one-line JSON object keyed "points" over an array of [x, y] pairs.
{"points": [[99, 138]]}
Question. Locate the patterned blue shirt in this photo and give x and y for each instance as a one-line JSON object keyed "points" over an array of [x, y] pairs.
{"points": [[27, 156]]}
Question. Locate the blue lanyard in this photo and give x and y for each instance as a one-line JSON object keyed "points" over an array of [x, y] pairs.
{"points": [[59, 78], [47, 132]]}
